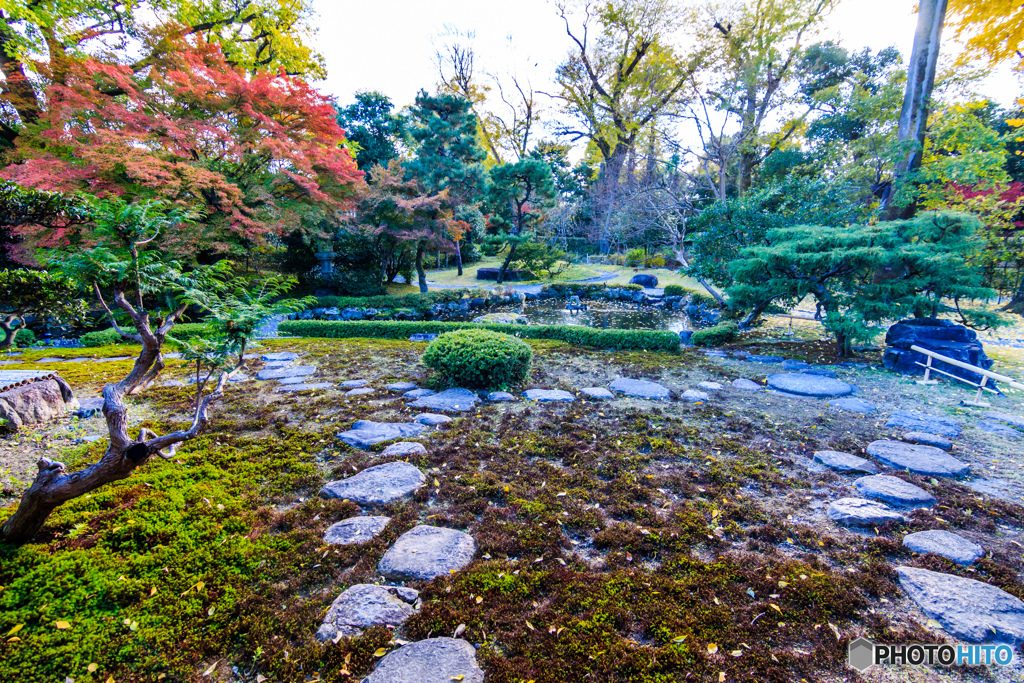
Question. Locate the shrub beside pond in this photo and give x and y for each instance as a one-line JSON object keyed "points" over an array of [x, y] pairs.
{"points": [[723, 333], [479, 359]]}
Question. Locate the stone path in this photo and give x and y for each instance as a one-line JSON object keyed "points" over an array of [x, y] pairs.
{"points": [[597, 393], [922, 422], [854, 405], [845, 462], [926, 439], [365, 605], [894, 491], [355, 530], [927, 460], [946, 544], [377, 485], [967, 609], [404, 449], [366, 433], [500, 397], [814, 386], [548, 395], [425, 552], [862, 512], [436, 660], [640, 388], [449, 401]]}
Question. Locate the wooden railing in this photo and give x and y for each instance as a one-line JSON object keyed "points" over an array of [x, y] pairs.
{"points": [[986, 375]]}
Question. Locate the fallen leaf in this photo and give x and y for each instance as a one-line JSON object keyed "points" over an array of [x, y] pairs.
{"points": [[712, 648], [721, 677], [152, 591], [260, 678], [62, 625], [679, 639], [211, 669], [479, 599], [931, 623], [459, 677], [530, 626], [381, 651], [459, 630], [92, 667], [737, 653], [209, 612], [15, 629], [15, 639], [775, 607]]}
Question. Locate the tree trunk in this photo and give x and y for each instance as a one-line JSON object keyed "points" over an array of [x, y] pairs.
{"points": [[1016, 304], [10, 332], [508, 260], [420, 272], [458, 256], [920, 80]]}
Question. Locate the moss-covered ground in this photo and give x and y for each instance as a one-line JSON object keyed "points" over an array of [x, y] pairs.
{"points": [[620, 541]]}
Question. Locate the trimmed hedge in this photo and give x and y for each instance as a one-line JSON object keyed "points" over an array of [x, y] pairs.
{"points": [[676, 290], [586, 288], [420, 302], [721, 333], [696, 296], [626, 340], [110, 336], [479, 359]]}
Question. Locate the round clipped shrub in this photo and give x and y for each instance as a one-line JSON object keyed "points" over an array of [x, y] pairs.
{"points": [[24, 338], [721, 333], [675, 290], [479, 359]]}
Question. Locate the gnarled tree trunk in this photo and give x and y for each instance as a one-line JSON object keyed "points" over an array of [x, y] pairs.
{"points": [[10, 331]]}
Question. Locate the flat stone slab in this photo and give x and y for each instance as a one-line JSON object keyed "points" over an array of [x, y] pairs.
{"points": [[946, 544], [401, 386], [709, 386], [50, 360], [377, 485], [597, 393], [967, 609], [894, 491], [365, 433], [548, 395], [359, 392], [845, 462], [431, 419], [277, 364], [355, 530], [862, 512], [927, 460], [500, 397], [425, 552], [292, 380], [640, 388], [694, 396], [279, 356], [795, 365], [823, 372], [449, 400], [354, 383], [999, 429], [922, 422], [281, 373], [403, 448], [436, 660], [174, 383], [1011, 420], [815, 386], [746, 384], [854, 405], [314, 386], [364, 605], [755, 358], [926, 439], [414, 394]]}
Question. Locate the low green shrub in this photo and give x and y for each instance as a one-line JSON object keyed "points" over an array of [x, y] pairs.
{"points": [[25, 337], [418, 302], [479, 359], [626, 340], [110, 336], [721, 333], [676, 290], [696, 296], [585, 288]]}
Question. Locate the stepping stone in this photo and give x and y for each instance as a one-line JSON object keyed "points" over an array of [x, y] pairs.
{"points": [[240, 377], [174, 383], [431, 419], [281, 373], [500, 397], [365, 433], [353, 383], [949, 545], [746, 385], [967, 609], [377, 485], [10, 362], [277, 364], [89, 407], [640, 388], [167, 356], [598, 393], [548, 395], [999, 429], [291, 380], [50, 360], [853, 405], [694, 396], [82, 359], [926, 439], [894, 491], [417, 393], [92, 438], [845, 462], [764, 359], [355, 530], [314, 386], [927, 460], [861, 512], [403, 448], [710, 386], [425, 552], [802, 384], [401, 386], [1011, 420], [423, 337], [365, 605], [435, 660], [716, 354], [359, 392], [822, 372], [794, 365], [111, 360], [279, 356], [922, 422], [450, 400]]}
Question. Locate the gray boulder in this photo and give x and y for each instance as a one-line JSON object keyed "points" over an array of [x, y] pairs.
{"points": [[640, 388], [646, 281], [922, 422], [597, 393], [365, 433], [941, 336], [404, 448], [894, 491], [845, 462], [41, 400], [377, 485], [89, 407], [926, 439], [355, 530], [450, 400], [423, 337], [946, 544], [746, 385], [967, 609], [281, 373], [548, 395], [436, 660], [425, 552], [927, 460], [365, 605], [861, 512], [815, 386]]}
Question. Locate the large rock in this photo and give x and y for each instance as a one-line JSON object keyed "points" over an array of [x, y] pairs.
{"points": [[923, 422], [862, 512], [941, 336], [548, 396], [436, 660], [645, 281], [365, 433], [355, 530], [802, 384], [281, 373], [946, 544], [845, 462], [927, 460], [377, 485], [449, 401], [365, 605], [967, 609], [894, 491], [640, 388], [36, 402], [425, 552]]}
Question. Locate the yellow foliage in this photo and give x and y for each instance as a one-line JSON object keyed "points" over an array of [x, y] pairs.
{"points": [[993, 28]]}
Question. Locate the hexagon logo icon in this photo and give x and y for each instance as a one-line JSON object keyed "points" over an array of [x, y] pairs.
{"points": [[862, 654]]}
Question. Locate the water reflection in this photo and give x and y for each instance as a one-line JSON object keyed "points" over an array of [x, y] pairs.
{"points": [[602, 315]]}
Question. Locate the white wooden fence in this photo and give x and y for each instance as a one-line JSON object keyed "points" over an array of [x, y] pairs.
{"points": [[986, 375]]}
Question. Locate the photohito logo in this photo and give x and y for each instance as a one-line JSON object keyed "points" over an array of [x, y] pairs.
{"points": [[864, 654]]}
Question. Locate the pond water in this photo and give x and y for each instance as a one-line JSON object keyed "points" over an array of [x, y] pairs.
{"points": [[603, 315]]}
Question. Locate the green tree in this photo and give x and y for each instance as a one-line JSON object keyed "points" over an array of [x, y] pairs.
{"points": [[370, 123], [38, 293], [519, 193]]}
